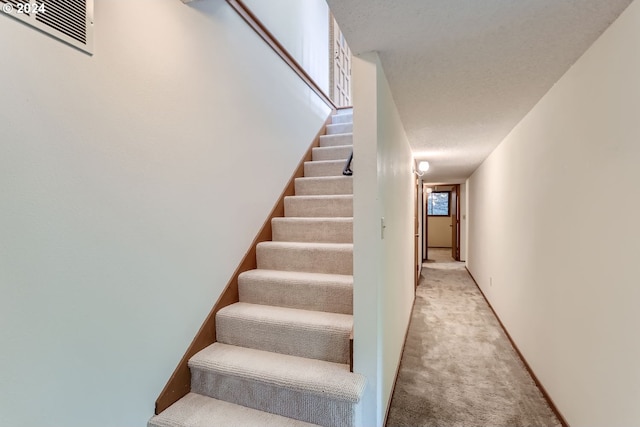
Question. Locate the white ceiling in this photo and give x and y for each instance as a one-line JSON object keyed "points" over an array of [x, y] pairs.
{"points": [[464, 72]]}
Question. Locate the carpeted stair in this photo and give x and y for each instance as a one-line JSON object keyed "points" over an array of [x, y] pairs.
{"points": [[282, 352], [338, 152], [313, 291], [319, 206], [321, 230]]}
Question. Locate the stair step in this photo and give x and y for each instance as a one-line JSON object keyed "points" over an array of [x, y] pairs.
{"points": [[321, 230], [339, 128], [308, 291], [319, 206], [304, 333], [328, 258], [336, 140], [339, 152], [196, 410], [342, 118], [324, 168], [324, 185], [314, 391]]}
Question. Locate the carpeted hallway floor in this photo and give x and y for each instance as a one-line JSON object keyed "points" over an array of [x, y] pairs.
{"points": [[458, 367]]}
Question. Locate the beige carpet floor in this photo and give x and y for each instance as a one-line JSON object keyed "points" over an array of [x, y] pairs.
{"points": [[458, 367]]}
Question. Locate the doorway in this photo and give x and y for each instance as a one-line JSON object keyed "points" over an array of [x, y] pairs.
{"points": [[441, 219]]}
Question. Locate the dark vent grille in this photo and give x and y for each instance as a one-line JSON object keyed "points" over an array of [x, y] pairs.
{"points": [[15, 2], [67, 16]]}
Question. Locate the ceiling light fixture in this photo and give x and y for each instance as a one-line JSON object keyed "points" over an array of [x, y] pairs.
{"points": [[423, 166]]}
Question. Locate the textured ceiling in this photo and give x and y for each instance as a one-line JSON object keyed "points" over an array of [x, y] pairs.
{"points": [[464, 72]]}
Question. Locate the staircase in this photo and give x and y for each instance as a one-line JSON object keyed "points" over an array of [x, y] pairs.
{"points": [[282, 352]]}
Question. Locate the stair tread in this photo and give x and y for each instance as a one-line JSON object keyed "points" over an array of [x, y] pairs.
{"points": [[295, 278], [312, 229], [299, 332], [334, 152], [325, 178], [293, 318], [313, 219], [335, 128], [336, 140], [341, 118], [317, 168], [310, 291], [321, 196], [311, 245], [331, 148], [196, 410], [327, 162], [332, 258], [292, 276], [338, 134], [311, 376]]}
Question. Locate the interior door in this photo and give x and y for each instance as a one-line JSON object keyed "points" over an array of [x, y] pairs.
{"points": [[455, 222], [341, 67]]}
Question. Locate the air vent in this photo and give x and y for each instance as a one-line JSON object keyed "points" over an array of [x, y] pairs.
{"points": [[67, 16], [68, 20]]}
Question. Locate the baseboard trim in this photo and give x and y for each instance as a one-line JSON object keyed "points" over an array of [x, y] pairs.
{"points": [[545, 394], [404, 344], [180, 382]]}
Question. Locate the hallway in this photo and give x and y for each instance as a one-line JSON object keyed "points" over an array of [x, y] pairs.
{"points": [[458, 367]]}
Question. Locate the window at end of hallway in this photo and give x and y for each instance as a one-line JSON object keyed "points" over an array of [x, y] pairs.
{"points": [[438, 203]]}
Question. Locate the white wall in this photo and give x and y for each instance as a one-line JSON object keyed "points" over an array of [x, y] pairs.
{"points": [[463, 221], [383, 266], [302, 27], [128, 196], [567, 290]]}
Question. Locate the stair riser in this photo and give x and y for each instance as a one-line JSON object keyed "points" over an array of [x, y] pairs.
{"points": [[291, 339], [336, 140], [316, 297], [309, 260], [318, 207], [331, 153], [339, 128], [310, 187], [284, 230], [331, 168], [342, 118], [312, 408]]}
